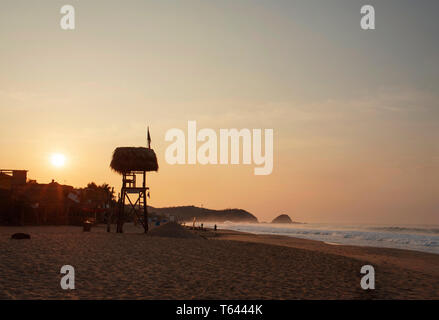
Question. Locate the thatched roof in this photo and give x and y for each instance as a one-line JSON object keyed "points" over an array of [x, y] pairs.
{"points": [[126, 159]]}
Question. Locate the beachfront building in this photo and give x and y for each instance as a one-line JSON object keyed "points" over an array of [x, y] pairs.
{"points": [[30, 203], [12, 178]]}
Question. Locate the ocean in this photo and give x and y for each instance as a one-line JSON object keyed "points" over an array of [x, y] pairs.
{"points": [[413, 237]]}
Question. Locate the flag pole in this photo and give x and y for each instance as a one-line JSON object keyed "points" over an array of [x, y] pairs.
{"points": [[148, 138]]}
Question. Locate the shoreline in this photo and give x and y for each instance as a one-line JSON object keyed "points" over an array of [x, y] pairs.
{"points": [[228, 265], [414, 238], [406, 258]]}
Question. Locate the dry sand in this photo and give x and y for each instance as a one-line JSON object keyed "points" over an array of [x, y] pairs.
{"points": [[172, 230], [228, 265]]}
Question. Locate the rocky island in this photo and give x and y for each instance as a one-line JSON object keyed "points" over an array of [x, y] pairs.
{"points": [[283, 218]]}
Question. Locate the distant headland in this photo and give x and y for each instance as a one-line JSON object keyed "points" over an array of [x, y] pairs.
{"points": [[187, 213]]}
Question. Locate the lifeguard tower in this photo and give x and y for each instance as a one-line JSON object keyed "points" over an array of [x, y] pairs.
{"points": [[133, 163]]}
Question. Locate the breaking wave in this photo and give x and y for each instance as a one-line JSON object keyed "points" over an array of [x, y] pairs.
{"points": [[401, 237], [409, 230]]}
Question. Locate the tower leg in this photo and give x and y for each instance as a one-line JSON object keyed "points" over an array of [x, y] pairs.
{"points": [[145, 213], [145, 207], [120, 216]]}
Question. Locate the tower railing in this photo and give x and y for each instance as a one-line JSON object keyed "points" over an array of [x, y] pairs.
{"points": [[138, 208]]}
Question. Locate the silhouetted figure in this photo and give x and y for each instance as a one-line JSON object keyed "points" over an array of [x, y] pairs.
{"points": [[108, 224], [108, 220], [214, 228]]}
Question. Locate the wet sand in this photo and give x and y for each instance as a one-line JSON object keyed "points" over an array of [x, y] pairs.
{"points": [[225, 265]]}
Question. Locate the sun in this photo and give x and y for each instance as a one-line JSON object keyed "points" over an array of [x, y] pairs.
{"points": [[58, 160]]}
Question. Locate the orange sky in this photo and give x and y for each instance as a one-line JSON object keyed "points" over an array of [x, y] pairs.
{"points": [[354, 114]]}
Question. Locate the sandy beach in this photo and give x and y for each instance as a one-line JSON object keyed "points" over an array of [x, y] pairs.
{"points": [[225, 265]]}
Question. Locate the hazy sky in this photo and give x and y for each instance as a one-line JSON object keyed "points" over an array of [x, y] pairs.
{"points": [[355, 113]]}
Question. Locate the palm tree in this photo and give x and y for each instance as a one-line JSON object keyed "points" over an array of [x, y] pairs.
{"points": [[109, 191]]}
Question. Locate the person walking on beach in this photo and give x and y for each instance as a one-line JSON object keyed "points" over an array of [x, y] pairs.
{"points": [[108, 216]]}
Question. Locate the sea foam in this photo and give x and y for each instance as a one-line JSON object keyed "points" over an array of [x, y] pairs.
{"points": [[419, 238]]}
